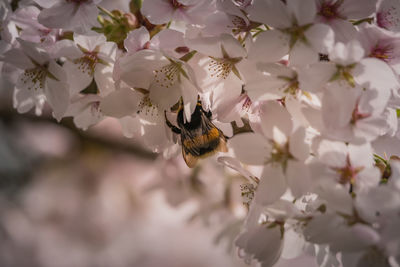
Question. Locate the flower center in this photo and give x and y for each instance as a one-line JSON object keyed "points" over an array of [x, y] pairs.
{"points": [[329, 10], [382, 52], [357, 115], [147, 107], [176, 4], [348, 173], [220, 67], [35, 77], [167, 75], [88, 62]]}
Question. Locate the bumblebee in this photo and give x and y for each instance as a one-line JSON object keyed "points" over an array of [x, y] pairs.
{"points": [[200, 138]]}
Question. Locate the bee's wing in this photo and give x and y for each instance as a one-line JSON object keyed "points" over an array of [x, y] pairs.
{"points": [[189, 145], [189, 158]]}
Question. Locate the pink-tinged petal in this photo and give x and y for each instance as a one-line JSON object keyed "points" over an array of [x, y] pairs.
{"points": [[297, 144], [272, 185], [314, 77], [250, 148], [302, 54], [57, 95], [369, 68], [272, 13], [275, 121], [303, 10], [270, 46], [321, 37], [332, 153], [136, 40], [388, 15], [58, 15], [121, 103], [157, 11], [357, 9], [298, 178]]}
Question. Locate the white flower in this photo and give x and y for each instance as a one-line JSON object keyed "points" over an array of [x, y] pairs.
{"points": [[294, 32], [337, 13], [40, 75], [351, 165], [167, 79], [91, 57]]}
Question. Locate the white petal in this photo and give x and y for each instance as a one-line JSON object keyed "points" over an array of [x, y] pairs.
{"points": [[250, 148], [321, 37], [298, 178], [297, 144], [369, 68], [304, 10], [272, 185], [315, 76], [237, 166], [58, 15], [57, 95], [302, 54], [332, 153], [120, 103], [357, 9], [157, 11], [272, 13], [270, 46], [275, 121]]}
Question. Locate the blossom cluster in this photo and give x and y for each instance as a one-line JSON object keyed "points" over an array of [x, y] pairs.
{"points": [[301, 97]]}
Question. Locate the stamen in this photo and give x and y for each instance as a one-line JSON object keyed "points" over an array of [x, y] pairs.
{"points": [[220, 67], [36, 75], [147, 107], [384, 53], [167, 75], [87, 63]]}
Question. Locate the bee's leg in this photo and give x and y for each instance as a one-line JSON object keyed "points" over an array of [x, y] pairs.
{"points": [[170, 125]]}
